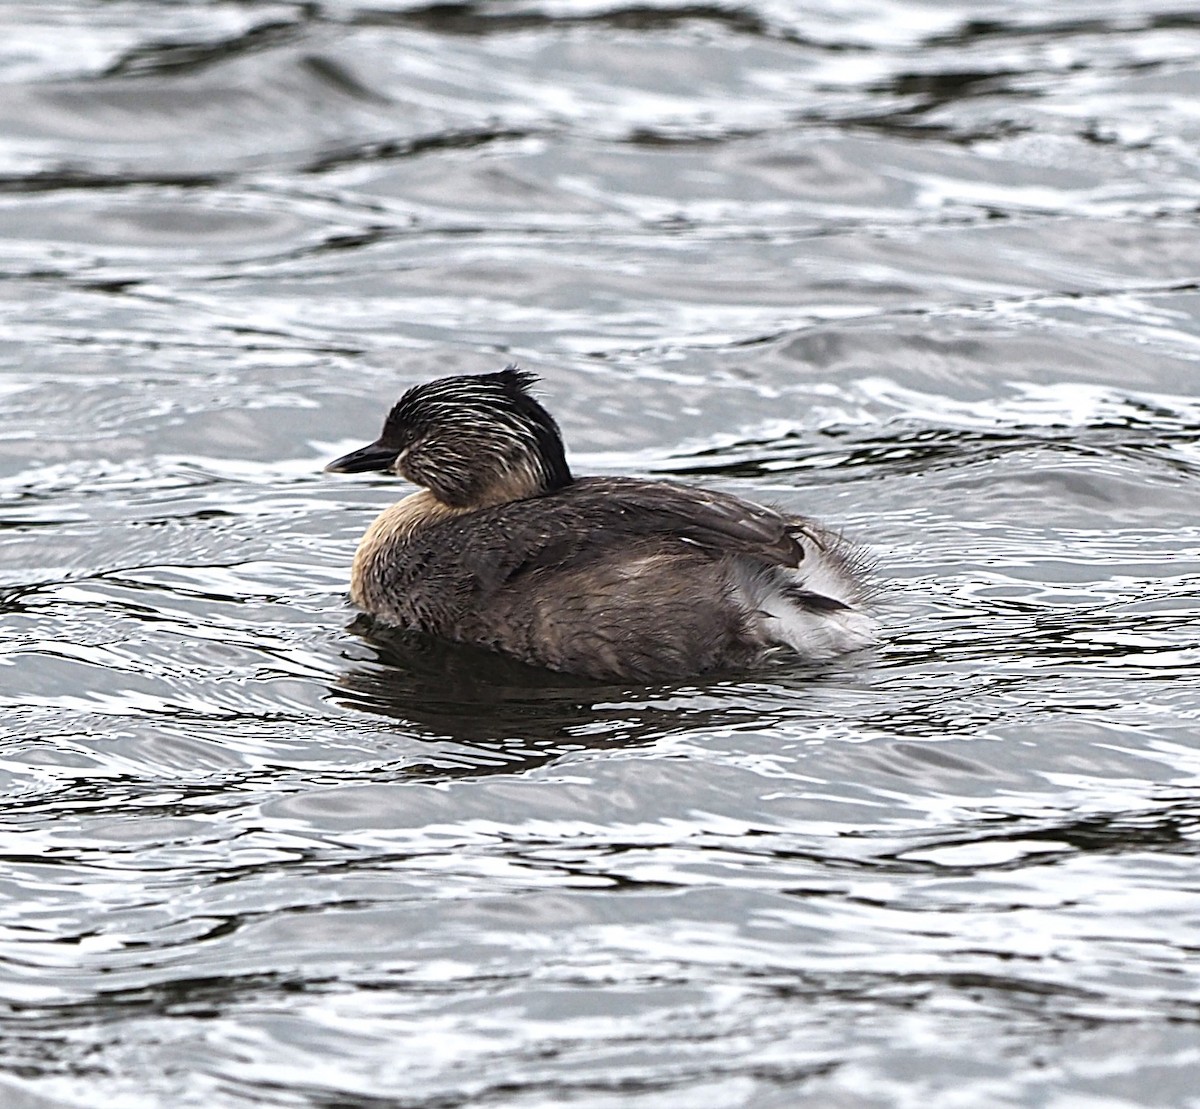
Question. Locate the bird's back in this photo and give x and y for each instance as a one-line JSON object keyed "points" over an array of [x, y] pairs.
{"points": [[617, 578]]}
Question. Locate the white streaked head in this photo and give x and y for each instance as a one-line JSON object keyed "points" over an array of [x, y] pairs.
{"points": [[472, 441]]}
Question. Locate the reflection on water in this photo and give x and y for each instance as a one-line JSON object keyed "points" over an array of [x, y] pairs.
{"points": [[925, 271], [505, 716]]}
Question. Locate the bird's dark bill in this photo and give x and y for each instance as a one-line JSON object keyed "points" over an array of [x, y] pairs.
{"points": [[374, 456]]}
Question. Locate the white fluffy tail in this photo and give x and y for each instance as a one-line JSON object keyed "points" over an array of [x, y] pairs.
{"points": [[817, 609]]}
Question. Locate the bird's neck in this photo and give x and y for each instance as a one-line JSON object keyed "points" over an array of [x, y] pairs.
{"points": [[390, 531], [516, 479]]}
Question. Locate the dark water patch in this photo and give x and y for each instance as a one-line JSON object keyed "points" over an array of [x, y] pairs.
{"points": [[983, 30], [482, 19], [1173, 828], [74, 180], [188, 57], [393, 150]]}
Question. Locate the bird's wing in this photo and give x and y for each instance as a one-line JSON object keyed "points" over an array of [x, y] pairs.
{"points": [[620, 508], [592, 519]]}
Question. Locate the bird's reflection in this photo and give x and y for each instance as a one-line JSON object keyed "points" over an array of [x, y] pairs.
{"points": [[512, 716]]}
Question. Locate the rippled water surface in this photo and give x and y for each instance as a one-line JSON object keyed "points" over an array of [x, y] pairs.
{"points": [[927, 271]]}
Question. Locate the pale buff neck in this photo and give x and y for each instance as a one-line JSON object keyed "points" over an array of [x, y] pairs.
{"points": [[392, 529], [397, 524]]}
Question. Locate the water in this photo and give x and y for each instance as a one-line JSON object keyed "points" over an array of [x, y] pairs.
{"points": [[926, 271]]}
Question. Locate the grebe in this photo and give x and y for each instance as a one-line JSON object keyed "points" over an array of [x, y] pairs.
{"points": [[602, 577]]}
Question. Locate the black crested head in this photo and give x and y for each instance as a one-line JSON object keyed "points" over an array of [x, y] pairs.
{"points": [[472, 441]]}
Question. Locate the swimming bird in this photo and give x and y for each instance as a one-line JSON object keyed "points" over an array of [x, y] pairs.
{"points": [[612, 578]]}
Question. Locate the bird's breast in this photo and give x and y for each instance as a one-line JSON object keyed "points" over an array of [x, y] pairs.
{"points": [[386, 539]]}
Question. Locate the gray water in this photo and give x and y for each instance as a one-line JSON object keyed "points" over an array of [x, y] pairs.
{"points": [[926, 271]]}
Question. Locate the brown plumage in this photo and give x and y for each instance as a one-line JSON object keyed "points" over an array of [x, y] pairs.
{"points": [[611, 578]]}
